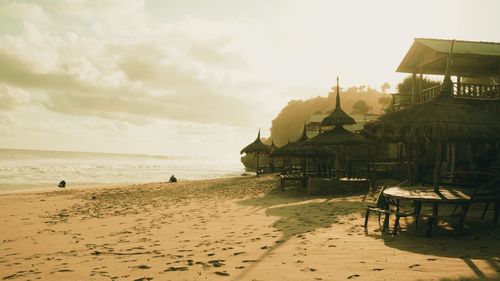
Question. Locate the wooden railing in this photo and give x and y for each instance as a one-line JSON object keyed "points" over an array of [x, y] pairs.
{"points": [[428, 94], [463, 90], [476, 91]]}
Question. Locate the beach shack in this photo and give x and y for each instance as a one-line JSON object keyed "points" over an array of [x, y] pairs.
{"points": [[443, 121], [475, 79]]}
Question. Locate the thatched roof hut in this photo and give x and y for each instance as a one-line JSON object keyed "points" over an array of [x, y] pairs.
{"points": [[313, 151], [337, 136], [443, 119], [256, 147], [338, 116]]}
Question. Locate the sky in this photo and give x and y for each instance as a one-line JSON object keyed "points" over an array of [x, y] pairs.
{"points": [[198, 78]]}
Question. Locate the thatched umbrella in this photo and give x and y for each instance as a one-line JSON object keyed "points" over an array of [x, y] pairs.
{"points": [[443, 119], [257, 147], [338, 135], [313, 151], [338, 116], [335, 138]]}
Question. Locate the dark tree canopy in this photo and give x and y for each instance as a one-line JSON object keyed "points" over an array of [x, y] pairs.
{"points": [[360, 107], [405, 85]]}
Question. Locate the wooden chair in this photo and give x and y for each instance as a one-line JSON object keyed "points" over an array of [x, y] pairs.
{"points": [[381, 207]]}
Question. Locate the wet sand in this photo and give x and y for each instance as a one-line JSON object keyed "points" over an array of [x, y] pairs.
{"points": [[227, 229]]}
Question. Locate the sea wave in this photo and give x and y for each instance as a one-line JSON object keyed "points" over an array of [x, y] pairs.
{"points": [[21, 169]]}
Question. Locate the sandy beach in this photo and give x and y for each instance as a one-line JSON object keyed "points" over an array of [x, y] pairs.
{"points": [[226, 229]]}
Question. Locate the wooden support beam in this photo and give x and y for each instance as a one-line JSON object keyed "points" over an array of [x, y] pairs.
{"points": [[437, 165], [413, 88]]}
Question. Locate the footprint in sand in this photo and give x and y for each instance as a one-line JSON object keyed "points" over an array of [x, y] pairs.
{"points": [[216, 263], [430, 259], [353, 276], [414, 265], [180, 268], [239, 253], [222, 273], [377, 269]]}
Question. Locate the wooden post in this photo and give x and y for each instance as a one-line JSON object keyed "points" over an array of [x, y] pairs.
{"points": [[257, 166], [420, 81], [437, 165], [453, 157], [409, 159], [413, 88], [337, 161]]}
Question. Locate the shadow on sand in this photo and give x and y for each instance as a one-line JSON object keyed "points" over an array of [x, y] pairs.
{"points": [[300, 213], [480, 242]]}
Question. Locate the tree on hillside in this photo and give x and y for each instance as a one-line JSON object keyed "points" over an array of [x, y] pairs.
{"points": [[384, 87], [360, 107], [405, 85]]}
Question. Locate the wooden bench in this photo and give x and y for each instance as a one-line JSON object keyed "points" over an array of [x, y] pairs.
{"points": [[292, 179]]}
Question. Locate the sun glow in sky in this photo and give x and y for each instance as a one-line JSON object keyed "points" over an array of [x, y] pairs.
{"points": [[198, 78]]}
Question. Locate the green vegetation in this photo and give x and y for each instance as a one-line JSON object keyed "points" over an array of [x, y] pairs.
{"points": [[405, 86]]}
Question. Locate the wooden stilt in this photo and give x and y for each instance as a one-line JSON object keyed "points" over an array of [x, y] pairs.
{"points": [[437, 166]]}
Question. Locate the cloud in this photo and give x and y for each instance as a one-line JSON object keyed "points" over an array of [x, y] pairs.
{"points": [[12, 98], [167, 92]]}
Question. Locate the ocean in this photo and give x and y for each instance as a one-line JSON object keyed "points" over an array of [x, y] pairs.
{"points": [[40, 169]]}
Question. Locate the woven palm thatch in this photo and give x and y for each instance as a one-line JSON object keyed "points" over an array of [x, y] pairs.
{"points": [[280, 151], [256, 147], [312, 151], [338, 116], [288, 149], [336, 136], [442, 119]]}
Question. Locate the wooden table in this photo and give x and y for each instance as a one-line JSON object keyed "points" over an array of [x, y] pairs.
{"points": [[427, 194], [421, 194]]}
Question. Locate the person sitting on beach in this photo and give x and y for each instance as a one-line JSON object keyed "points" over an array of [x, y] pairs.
{"points": [[172, 179], [62, 184]]}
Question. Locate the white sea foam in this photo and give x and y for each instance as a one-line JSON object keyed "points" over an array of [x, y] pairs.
{"points": [[32, 169]]}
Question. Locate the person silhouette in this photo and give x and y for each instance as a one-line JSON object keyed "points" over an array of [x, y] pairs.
{"points": [[172, 179]]}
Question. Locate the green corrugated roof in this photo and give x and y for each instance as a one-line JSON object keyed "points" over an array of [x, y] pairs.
{"points": [[470, 58], [462, 47]]}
